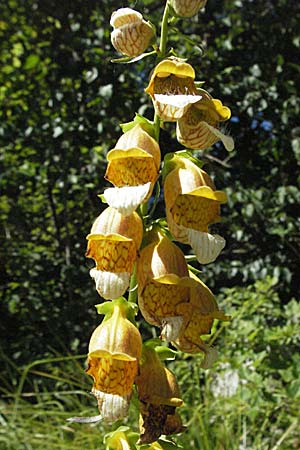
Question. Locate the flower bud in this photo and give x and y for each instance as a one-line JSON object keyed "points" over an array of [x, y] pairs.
{"points": [[131, 35], [187, 8]]}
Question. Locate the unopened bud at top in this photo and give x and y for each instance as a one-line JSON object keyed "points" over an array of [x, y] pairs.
{"points": [[187, 8], [132, 34]]}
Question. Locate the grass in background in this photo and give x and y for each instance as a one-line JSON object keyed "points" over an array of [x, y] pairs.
{"points": [[249, 400]]}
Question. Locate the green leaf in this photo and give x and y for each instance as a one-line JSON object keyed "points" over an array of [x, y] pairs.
{"points": [[31, 62], [146, 124], [129, 59]]}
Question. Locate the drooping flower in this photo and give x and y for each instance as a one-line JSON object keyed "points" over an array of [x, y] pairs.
{"points": [[113, 243], [199, 315], [159, 396], [163, 284], [114, 351], [187, 8], [132, 34], [192, 204], [172, 88], [198, 128], [133, 167]]}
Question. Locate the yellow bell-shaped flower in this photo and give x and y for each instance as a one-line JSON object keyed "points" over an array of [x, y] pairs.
{"points": [[172, 88], [187, 8], [159, 396], [198, 128], [163, 284], [133, 167], [114, 351], [192, 204], [132, 34], [113, 243]]}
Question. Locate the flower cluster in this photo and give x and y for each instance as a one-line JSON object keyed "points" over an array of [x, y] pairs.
{"points": [[133, 251]]}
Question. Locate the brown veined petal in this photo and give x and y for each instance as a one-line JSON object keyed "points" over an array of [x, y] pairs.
{"points": [[111, 375], [171, 108], [124, 16], [187, 8], [201, 136], [179, 74], [130, 168], [112, 253]]}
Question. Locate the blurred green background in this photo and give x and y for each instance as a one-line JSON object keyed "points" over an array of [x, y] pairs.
{"points": [[62, 101]]}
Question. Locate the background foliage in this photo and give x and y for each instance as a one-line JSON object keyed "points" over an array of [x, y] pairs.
{"points": [[61, 105]]}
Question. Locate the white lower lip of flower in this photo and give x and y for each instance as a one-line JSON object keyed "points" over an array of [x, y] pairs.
{"points": [[180, 100], [110, 285], [112, 407], [206, 246], [211, 355], [126, 199], [171, 327], [227, 140], [173, 107], [92, 419]]}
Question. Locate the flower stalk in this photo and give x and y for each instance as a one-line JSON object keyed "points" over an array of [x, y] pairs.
{"points": [[137, 254]]}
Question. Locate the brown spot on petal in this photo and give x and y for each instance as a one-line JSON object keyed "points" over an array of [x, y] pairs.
{"points": [[152, 421]]}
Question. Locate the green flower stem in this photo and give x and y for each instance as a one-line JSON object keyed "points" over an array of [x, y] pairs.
{"points": [[156, 122], [132, 296], [164, 31]]}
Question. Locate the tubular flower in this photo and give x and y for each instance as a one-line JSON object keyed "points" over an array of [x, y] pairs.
{"points": [[113, 244], [199, 315], [132, 34], [159, 396], [163, 284], [172, 88], [114, 351], [133, 167], [187, 8], [192, 204], [199, 127]]}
